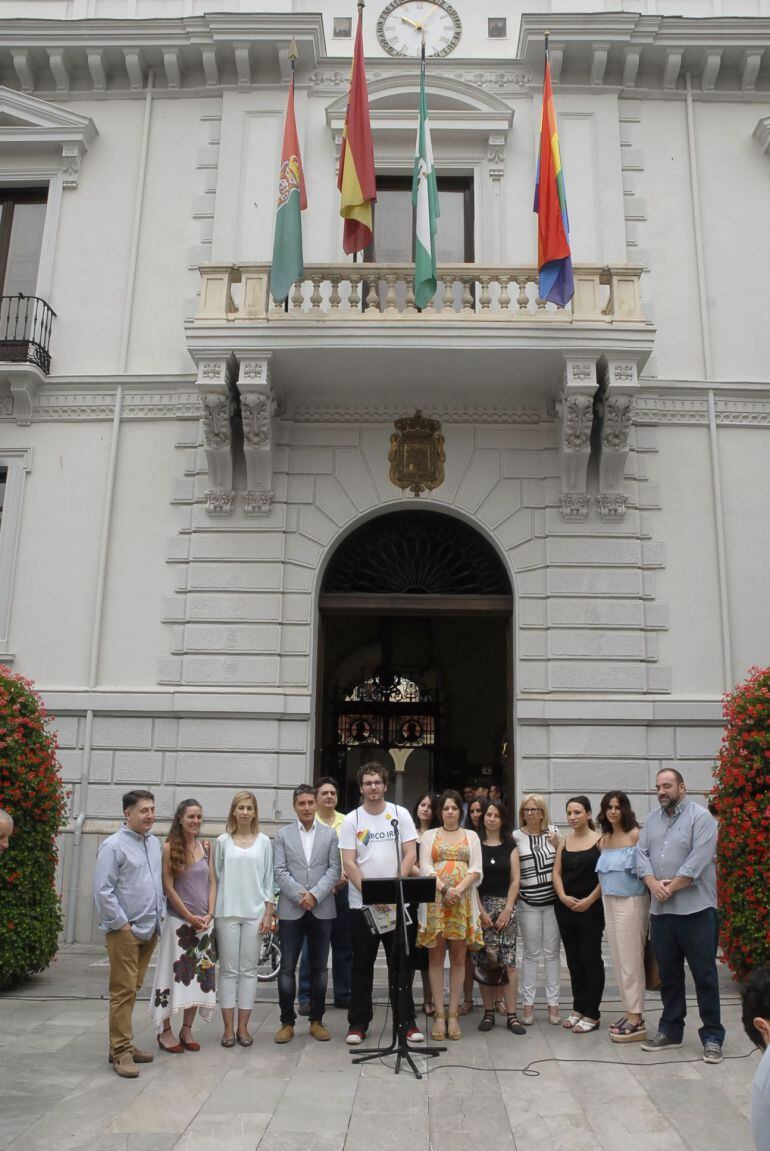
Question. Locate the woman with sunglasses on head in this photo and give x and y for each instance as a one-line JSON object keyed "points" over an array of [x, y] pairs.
{"points": [[453, 854], [626, 911], [537, 839], [425, 817], [185, 970], [580, 915], [498, 890]]}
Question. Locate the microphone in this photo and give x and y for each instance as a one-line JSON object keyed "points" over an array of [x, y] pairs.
{"points": [[394, 823]]}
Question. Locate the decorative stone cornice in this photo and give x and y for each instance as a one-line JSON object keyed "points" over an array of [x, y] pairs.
{"points": [[722, 55], [383, 414], [54, 400], [693, 409], [102, 57]]}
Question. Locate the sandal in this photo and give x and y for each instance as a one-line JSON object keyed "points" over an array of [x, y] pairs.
{"points": [[453, 1027], [514, 1024], [616, 1026], [627, 1032], [528, 1016], [467, 1007], [583, 1026], [487, 1021], [572, 1021], [439, 1029]]}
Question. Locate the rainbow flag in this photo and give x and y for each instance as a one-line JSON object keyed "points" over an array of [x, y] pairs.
{"points": [[356, 180], [554, 258], [288, 266]]}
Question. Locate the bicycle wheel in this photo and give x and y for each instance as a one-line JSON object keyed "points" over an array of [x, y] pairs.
{"points": [[269, 959]]}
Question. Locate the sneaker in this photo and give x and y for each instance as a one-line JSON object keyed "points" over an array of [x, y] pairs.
{"points": [[414, 1035], [712, 1052], [354, 1037], [318, 1031], [303, 1009], [661, 1042]]}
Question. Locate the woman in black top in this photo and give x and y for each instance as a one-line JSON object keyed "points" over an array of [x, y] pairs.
{"points": [[498, 891], [580, 915]]}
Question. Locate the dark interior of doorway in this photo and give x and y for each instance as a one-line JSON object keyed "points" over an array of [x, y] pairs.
{"points": [[438, 682]]}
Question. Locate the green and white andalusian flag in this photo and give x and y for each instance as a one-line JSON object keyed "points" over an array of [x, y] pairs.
{"points": [[425, 201]]}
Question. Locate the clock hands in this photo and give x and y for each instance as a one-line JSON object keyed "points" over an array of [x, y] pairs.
{"points": [[417, 27]]}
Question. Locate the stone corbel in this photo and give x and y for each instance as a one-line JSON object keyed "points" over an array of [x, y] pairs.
{"points": [[496, 156], [24, 388], [257, 410], [215, 387], [617, 410], [576, 409]]}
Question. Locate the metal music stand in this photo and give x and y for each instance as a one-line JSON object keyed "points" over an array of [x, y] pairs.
{"points": [[399, 891]]}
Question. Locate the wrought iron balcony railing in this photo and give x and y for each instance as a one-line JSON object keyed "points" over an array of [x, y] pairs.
{"points": [[382, 292], [25, 331]]}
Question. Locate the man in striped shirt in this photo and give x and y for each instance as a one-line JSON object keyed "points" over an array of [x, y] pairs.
{"points": [[128, 893]]}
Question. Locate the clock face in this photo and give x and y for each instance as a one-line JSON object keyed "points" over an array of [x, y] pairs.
{"points": [[402, 25]]}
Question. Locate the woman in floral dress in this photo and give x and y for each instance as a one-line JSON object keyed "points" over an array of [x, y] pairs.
{"points": [[185, 972], [453, 854]]}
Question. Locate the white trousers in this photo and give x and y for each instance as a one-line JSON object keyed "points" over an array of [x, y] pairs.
{"points": [[238, 947], [540, 939], [625, 917]]}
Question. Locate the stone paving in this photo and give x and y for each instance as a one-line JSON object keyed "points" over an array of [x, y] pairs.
{"points": [[58, 1092]]}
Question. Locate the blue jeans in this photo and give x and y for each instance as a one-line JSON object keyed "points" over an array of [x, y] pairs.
{"points": [[292, 934], [342, 955], [694, 938]]}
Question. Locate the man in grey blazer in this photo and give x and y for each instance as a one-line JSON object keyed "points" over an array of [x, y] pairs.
{"points": [[306, 862]]}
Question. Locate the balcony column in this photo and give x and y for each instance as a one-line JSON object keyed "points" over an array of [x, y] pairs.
{"points": [[620, 384], [257, 410], [576, 410], [215, 386]]}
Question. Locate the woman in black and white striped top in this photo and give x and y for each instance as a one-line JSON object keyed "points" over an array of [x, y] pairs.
{"points": [[537, 840]]}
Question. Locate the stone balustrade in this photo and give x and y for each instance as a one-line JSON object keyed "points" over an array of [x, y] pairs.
{"points": [[346, 292]]}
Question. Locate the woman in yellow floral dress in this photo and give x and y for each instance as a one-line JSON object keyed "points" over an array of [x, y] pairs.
{"points": [[453, 854]]}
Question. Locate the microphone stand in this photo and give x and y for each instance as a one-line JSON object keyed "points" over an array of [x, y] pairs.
{"points": [[399, 984]]}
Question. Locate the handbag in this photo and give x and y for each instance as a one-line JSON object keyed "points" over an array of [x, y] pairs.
{"points": [[652, 980], [488, 967]]}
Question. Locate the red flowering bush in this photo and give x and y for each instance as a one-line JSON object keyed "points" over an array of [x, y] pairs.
{"points": [[741, 795], [31, 792]]}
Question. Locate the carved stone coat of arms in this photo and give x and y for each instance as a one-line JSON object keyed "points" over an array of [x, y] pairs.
{"points": [[417, 454]]}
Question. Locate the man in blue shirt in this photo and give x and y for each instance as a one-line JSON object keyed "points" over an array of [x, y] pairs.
{"points": [[676, 861], [128, 893]]}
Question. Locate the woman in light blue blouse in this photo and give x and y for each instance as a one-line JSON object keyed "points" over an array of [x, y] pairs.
{"points": [[626, 911], [245, 903]]}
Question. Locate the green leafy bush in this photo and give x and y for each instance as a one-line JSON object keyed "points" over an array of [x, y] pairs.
{"points": [[741, 795], [31, 791]]}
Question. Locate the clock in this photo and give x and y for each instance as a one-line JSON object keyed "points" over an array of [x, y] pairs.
{"points": [[403, 23]]}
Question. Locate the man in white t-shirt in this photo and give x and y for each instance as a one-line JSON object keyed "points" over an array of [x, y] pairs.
{"points": [[368, 844], [756, 1022]]}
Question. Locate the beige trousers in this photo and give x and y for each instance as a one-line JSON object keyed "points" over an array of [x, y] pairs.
{"points": [[626, 918], [129, 958]]}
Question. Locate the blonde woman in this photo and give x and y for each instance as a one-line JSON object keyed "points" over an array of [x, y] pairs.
{"points": [[453, 923], [537, 840], [243, 863]]}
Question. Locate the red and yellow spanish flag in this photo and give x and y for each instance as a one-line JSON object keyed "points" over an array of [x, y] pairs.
{"points": [[356, 180], [554, 257]]}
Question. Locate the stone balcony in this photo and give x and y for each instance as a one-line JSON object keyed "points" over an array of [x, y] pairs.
{"points": [[486, 330]]}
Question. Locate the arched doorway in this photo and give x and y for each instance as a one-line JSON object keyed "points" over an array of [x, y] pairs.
{"points": [[415, 656]]}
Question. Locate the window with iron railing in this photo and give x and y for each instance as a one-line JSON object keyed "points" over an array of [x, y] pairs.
{"points": [[25, 318]]}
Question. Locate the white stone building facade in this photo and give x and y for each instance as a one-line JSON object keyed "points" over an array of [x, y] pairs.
{"points": [[179, 479]]}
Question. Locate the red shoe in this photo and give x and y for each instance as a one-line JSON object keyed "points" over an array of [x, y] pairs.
{"points": [[188, 1044], [414, 1035], [177, 1048], [354, 1037]]}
